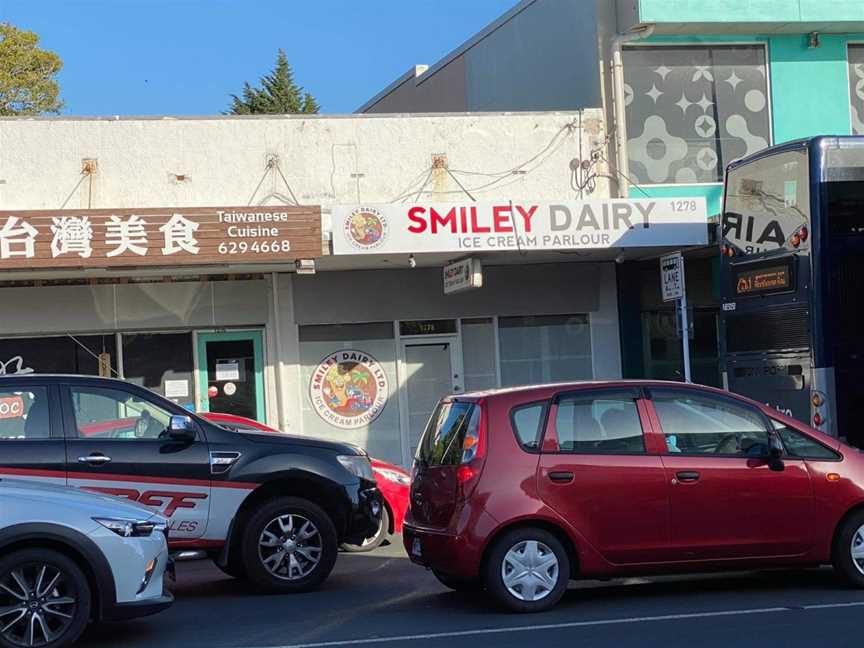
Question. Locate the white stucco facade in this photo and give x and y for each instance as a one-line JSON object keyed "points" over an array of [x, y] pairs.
{"points": [[326, 161]]}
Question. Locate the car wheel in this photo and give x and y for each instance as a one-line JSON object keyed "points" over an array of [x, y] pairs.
{"points": [[847, 555], [458, 584], [527, 570], [289, 545], [44, 599], [375, 541]]}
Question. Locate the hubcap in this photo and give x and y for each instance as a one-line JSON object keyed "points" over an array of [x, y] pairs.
{"points": [[290, 547], [858, 549], [36, 605], [530, 570]]}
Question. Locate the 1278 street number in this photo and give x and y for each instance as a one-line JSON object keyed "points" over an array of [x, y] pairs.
{"points": [[256, 247]]}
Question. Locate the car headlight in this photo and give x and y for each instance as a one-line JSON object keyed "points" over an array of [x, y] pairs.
{"points": [[393, 476], [130, 528], [357, 465]]}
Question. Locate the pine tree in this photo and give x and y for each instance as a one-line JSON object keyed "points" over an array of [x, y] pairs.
{"points": [[27, 74], [278, 94]]}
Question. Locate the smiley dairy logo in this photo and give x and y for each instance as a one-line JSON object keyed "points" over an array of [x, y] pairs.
{"points": [[366, 229], [349, 389]]}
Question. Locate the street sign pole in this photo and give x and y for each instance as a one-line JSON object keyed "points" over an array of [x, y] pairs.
{"points": [[674, 289], [685, 330]]}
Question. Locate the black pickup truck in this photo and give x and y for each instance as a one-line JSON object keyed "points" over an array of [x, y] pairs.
{"points": [[270, 508]]}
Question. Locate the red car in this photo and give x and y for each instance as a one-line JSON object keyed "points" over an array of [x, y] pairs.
{"points": [[393, 481], [520, 490]]}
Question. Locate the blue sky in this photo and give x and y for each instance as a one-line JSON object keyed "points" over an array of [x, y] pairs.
{"points": [[185, 57]]}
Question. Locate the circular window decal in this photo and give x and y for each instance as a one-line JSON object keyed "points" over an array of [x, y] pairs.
{"points": [[349, 389], [366, 229]]}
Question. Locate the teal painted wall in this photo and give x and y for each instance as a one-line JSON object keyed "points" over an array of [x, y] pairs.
{"points": [[711, 193], [809, 87], [749, 11]]}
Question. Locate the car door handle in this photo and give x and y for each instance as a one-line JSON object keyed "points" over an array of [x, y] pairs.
{"points": [[561, 476], [687, 476], [94, 459]]}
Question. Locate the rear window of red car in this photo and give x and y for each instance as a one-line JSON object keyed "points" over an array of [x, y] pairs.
{"points": [[441, 444]]}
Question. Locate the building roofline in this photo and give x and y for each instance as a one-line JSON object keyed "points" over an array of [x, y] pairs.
{"points": [[448, 58], [171, 118]]}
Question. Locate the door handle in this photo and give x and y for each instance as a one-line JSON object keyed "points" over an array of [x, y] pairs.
{"points": [[561, 476], [94, 459], [687, 476]]}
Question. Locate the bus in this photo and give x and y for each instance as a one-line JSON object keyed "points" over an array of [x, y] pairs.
{"points": [[792, 281]]}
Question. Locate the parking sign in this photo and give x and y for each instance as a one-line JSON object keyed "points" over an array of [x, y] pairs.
{"points": [[672, 276]]}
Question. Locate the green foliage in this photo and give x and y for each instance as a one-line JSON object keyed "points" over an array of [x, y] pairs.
{"points": [[278, 94], [27, 83]]}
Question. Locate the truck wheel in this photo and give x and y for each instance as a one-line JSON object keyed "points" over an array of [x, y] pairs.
{"points": [[375, 541], [289, 545], [44, 599], [847, 555]]}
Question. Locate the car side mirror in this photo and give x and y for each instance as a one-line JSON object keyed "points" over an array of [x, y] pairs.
{"points": [[182, 429], [775, 453]]}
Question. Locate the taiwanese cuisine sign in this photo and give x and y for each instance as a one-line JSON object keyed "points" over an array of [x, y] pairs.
{"points": [[105, 238], [488, 227]]}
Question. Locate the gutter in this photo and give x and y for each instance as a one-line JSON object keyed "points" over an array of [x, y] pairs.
{"points": [[621, 159]]}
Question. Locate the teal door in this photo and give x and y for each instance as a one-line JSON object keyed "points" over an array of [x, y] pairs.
{"points": [[231, 373]]}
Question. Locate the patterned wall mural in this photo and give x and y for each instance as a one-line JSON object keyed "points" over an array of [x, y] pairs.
{"points": [[693, 109], [856, 88]]}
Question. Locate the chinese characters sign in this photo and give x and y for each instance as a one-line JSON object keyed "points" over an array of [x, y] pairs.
{"points": [[102, 238]]}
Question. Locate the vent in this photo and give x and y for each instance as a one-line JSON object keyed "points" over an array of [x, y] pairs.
{"points": [[775, 330]]}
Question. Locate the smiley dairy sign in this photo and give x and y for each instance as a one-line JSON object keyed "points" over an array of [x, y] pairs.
{"points": [[519, 226]]}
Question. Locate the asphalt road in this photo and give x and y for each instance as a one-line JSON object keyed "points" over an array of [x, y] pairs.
{"points": [[381, 599]]}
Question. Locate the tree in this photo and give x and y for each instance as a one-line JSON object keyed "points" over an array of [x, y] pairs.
{"points": [[278, 94], [27, 83]]}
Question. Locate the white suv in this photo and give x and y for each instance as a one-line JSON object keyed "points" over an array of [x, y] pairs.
{"points": [[68, 557]]}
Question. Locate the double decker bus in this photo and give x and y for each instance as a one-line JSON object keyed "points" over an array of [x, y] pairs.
{"points": [[792, 281]]}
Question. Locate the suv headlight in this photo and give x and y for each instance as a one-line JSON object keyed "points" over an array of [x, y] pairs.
{"points": [[357, 465], [393, 476], [130, 528]]}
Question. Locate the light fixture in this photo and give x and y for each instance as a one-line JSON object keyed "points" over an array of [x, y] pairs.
{"points": [[304, 266]]}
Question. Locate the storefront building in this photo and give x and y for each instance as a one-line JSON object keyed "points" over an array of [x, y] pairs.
{"points": [[178, 254], [700, 84]]}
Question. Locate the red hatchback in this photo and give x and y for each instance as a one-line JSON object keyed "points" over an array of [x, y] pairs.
{"points": [[520, 490]]}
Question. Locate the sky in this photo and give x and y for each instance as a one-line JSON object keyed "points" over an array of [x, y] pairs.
{"points": [[186, 57]]}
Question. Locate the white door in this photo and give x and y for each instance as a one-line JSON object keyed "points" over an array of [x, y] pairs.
{"points": [[432, 370]]}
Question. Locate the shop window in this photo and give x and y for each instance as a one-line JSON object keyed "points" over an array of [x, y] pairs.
{"points": [[478, 351], [350, 387], [662, 348], [90, 355], [542, 349], [162, 362], [856, 88], [693, 109]]}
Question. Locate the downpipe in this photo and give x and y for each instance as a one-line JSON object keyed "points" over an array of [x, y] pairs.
{"points": [[619, 109]]}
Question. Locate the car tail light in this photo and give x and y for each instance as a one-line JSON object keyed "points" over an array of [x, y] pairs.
{"points": [[473, 452], [817, 419], [803, 233]]}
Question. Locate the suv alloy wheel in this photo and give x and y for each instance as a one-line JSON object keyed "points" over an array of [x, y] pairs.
{"points": [[527, 570], [289, 545], [44, 600]]}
